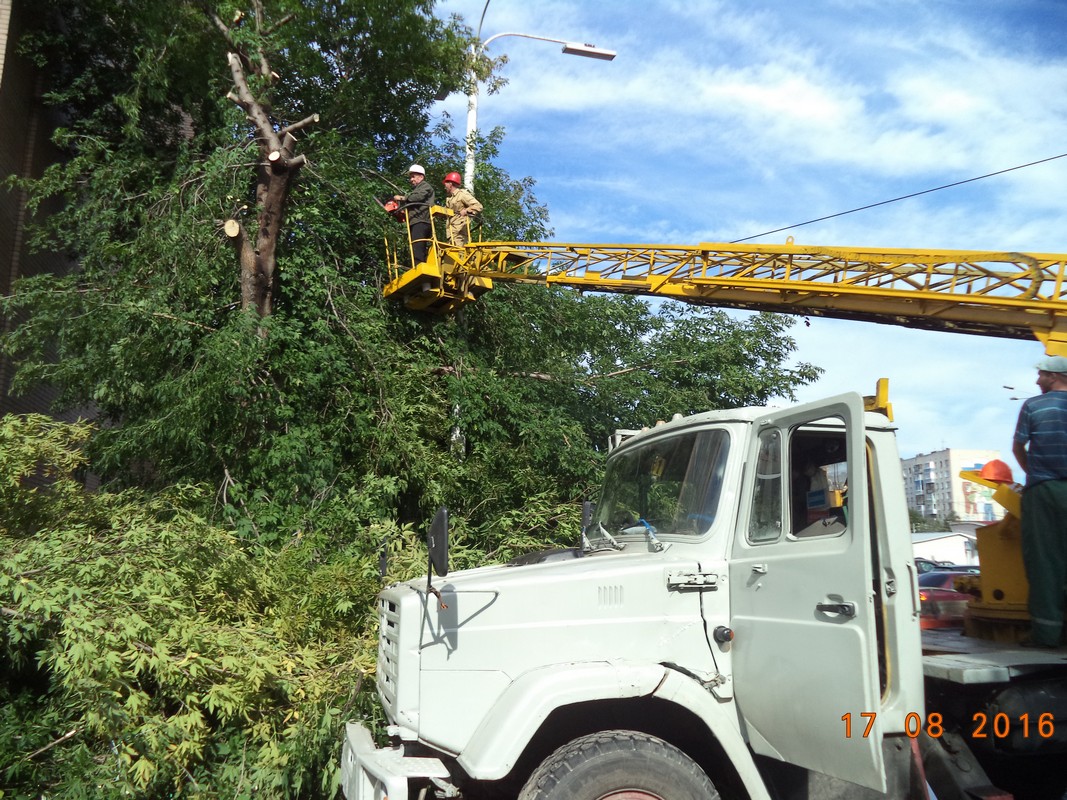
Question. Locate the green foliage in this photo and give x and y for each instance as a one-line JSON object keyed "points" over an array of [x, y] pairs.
{"points": [[373, 71], [144, 651], [204, 626], [35, 450], [337, 394], [922, 524], [623, 364]]}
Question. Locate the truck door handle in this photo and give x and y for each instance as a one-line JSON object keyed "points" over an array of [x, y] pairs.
{"points": [[847, 609]]}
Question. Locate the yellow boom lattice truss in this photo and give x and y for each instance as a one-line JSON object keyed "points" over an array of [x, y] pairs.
{"points": [[1011, 295]]}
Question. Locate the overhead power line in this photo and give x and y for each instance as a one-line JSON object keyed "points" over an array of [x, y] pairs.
{"points": [[897, 199]]}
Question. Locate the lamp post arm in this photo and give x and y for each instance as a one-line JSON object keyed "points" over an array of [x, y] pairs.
{"points": [[495, 36], [569, 48], [472, 98]]}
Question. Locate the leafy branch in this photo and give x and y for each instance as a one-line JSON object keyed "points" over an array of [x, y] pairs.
{"points": [[585, 379]]}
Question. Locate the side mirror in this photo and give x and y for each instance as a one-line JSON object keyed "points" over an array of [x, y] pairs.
{"points": [[437, 542], [588, 510], [383, 558]]}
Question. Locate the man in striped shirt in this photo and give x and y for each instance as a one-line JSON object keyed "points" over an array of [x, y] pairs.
{"points": [[1040, 446]]}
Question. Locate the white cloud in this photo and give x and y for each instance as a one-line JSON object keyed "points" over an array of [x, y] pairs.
{"points": [[722, 120]]}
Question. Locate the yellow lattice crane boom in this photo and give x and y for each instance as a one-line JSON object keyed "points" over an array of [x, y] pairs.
{"points": [[1003, 294]]}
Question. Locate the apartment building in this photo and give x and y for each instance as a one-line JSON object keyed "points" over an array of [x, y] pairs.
{"points": [[934, 487]]}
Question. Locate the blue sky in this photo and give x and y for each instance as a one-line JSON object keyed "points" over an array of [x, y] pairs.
{"points": [[720, 120]]}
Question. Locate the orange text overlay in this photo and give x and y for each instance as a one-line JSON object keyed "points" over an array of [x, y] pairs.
{"points": [[983, 726]]}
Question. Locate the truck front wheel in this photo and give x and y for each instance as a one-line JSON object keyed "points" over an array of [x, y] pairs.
{"points": [[618, 765]]}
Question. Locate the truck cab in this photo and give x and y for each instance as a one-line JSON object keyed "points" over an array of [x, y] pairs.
{"points": [[740, 620]]}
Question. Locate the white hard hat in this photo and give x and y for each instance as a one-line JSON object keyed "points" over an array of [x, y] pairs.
{"points": [[1052, 364], [416, 169]]}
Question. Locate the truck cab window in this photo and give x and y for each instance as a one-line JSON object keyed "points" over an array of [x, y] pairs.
{"points": [[672, 484], [765, 522], [818, 475], [809, 498]]}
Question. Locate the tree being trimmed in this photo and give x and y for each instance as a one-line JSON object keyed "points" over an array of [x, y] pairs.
{"points": [[280, 376], [278, 165]]}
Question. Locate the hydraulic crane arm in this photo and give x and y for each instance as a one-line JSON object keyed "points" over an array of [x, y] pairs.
{"points": [[1009, 295]]}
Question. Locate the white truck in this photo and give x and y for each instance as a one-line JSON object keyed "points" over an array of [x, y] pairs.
{"points": [[724, 630]]}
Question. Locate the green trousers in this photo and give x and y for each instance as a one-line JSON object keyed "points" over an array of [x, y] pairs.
{"points": [[1044, 524]]}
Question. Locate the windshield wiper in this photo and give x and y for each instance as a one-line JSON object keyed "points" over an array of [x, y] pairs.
{"points": [[643, 526], [602, 535], [650, 534]]}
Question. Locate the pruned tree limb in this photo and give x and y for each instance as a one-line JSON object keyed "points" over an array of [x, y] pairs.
{"points": [[288, 144], [253, 109], [65, 737], [311, 119], [232, 228], [248, 261], [287, 18]]}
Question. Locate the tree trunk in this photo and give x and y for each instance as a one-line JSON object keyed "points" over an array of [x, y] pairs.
{"points": [[278, 166]]}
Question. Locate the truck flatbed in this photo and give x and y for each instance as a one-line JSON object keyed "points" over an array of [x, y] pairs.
{"points": [[951, 656]]}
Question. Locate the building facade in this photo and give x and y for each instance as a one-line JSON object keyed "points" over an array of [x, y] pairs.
{"points": [[935, 489], [951, 547], [26, 149]]}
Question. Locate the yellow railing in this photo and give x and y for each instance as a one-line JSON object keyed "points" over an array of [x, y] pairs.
{"points": [[1009, 294]]}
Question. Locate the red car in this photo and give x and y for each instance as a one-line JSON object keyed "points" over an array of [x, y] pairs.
{"points": [[947, 579], [940, 604], [941, 608]]}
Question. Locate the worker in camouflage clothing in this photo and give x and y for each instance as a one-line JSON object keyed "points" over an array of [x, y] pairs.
{"points": [[464, 206]]}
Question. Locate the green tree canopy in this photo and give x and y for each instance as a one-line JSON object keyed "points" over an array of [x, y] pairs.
{"points": [[204, 625], [327, 405]]}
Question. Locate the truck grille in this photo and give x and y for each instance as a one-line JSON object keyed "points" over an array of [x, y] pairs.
{"points": [[388, 654]]}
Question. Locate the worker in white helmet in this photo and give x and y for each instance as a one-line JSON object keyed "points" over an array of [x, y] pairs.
{"points": [[417, 204], [464, 206]]}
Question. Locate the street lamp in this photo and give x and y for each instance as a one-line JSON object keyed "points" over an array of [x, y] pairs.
{"points": [[569, 48]]}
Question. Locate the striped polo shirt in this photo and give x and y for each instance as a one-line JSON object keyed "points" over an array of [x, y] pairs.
{"points": [[1043, 423]]}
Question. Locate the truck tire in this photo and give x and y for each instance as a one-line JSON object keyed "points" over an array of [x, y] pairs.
{"points": [[618, 765]]}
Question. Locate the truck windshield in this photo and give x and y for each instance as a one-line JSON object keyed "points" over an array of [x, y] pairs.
{"points": [[672, 484]]}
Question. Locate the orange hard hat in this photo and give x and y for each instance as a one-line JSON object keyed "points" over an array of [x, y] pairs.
{"points": [[453, 177], [996, 470]]}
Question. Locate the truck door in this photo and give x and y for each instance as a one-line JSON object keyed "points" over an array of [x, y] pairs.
{"points": [[802, 604]]}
